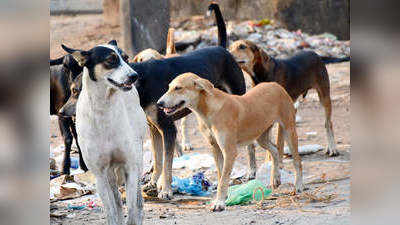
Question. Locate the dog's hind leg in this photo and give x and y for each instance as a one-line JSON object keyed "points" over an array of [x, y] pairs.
{"points": [[323, 89], [65, 124], [252, 165], [169, 138], [264, 142], [134, 194], [109, 194], [81, 161], [280, 141], [292, 140]]}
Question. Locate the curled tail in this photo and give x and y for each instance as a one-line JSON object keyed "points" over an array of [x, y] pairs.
{"points": [[329, 59], [222, 36], [58, 61], [171, 42]]}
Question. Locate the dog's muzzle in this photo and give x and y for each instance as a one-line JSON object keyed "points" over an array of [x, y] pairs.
{"points": [[169, 110], [127, 85]]}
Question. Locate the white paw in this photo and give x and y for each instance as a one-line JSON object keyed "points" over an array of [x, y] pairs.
{"points": [[299, 187], [217, 206], [331, 152], [187, 147], [165, 195]]}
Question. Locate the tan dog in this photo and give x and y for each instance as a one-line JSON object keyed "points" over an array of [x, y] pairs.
{"points": [[230, 120], [306, 70]]}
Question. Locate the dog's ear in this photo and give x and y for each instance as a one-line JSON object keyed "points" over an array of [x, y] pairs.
{"points": [[203, 84], [136, 59], [79, 55], [113, 42]]}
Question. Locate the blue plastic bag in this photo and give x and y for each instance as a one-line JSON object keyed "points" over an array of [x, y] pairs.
{"points": [[194, 185]]}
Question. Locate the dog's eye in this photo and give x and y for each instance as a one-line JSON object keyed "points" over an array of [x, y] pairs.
{"points": [[74, 90], [125, 57], [112, 59], [177, 88], [242, 46]]}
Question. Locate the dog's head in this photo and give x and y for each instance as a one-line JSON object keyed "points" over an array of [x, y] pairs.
{"points": [[184, 92], [246, 53], [106, 63], [146, 55], [69, 108]]}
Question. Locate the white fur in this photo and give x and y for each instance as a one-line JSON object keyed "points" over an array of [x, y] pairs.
{"points": [[111, 130]]}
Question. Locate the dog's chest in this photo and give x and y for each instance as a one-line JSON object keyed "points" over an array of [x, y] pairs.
{"points": [[117, 126]]}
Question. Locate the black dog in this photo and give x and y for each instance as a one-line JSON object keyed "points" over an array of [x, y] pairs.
{"points": [[62, 72], [65, 83], [215, 64]]}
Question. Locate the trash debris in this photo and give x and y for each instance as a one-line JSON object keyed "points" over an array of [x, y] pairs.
{"points": [[264, 172], [193, 161], [260, 23], [74, 163], [195, 185], [62, 188], [76, 207], [304, 149], [245, 193], [311, 134]]}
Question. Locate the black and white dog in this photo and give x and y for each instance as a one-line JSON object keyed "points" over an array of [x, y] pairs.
{"points": [[215, 64], [111, 127]]}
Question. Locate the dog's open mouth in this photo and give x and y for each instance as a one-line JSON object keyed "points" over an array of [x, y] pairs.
{"points": [[170, 110], [123, 86], [241, 61]]}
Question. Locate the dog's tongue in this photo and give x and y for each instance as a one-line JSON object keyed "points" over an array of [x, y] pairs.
{"points": [[168, 110]]}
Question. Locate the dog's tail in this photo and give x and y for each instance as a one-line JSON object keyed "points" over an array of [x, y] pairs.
{"points": [[171, 42], [222, 36], [58, 61], [329, 59]]}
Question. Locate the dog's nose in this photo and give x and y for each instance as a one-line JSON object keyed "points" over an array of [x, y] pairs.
{"points": [[133, 77], [160, 103]]}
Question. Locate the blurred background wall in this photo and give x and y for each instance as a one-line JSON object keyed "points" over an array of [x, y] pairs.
{"points": [[311, 16]]}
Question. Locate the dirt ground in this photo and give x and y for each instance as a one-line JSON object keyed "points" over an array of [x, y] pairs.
{"points": [[85, 31]]}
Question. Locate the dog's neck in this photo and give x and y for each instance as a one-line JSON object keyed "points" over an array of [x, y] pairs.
{"points": [[208, 104], [264, 72], [99, 93]]}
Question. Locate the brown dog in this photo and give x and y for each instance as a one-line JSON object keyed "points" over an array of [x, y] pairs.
{"points": [[230, 120], [297, 75]]}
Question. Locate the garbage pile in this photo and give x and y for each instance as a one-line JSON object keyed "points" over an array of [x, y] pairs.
{"points": [[276, 41]]}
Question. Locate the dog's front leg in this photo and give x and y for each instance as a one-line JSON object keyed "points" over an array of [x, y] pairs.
{"points": [[185, 135], [217, 152], [169, 138], [109, 194], [134, 194], [157, 148], [229, 151]]}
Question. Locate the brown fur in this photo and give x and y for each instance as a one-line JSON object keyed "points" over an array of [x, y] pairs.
{"points": [[230, 120], [297, 75]]}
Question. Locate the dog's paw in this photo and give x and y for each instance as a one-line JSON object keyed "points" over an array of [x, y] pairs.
{"points": [[165, 195], [251, 175], [300, 187], [331, 152], [187, 147], [217, 206], [149, 187], [275, 182]]}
